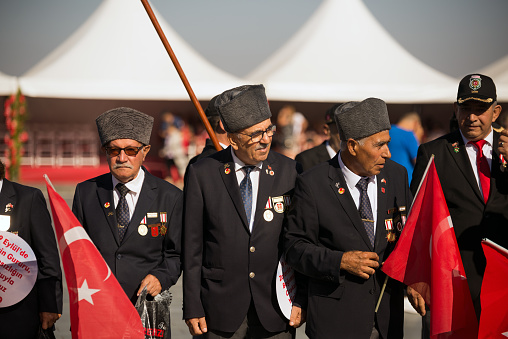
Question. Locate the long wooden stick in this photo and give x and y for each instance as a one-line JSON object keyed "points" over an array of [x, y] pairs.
{"points": [[381, 294], [179, 69]]}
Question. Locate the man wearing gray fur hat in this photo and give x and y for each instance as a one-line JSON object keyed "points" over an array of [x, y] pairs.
{"points": [[133, 217], [345, 219], [235, 202]]}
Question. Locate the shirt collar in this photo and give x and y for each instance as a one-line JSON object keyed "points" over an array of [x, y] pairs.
{"points": [[134, 185], [351, 178], [239, 163], [489, 138]]}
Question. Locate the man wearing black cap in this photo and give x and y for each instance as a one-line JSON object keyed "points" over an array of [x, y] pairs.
{"points": [[327, 150], [470, 167], [234, 206], [133, 218], [345, 218]]}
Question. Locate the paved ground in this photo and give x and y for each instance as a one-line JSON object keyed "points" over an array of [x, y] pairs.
{"points": [[412, 322]]}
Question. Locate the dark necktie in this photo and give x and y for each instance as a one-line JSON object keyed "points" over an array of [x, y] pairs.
{"points": [[483, 168], [365, 209], [246, 191], [122, 211]]}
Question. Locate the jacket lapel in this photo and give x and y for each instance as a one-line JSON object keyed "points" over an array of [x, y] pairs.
{"points": [[107, 202], [338, 185], [7, 196], [265, 184], [382, 192], [227, 172], [146, 198], [462, 160]]}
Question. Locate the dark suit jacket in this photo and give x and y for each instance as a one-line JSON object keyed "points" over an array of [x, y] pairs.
{"points": [[323, 224], [226, 267], [472, 219], [314, 156], [209, 149], [137, 255], [30, 218]]}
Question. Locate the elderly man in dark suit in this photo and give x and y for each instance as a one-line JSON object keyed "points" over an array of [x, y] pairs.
{"points": [[344, 221], [29, 218], [327, 150], [235, 201], [133, 218], [470, 166]]}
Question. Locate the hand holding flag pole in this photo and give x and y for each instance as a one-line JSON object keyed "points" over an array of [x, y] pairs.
{"points": [[180, 72]]}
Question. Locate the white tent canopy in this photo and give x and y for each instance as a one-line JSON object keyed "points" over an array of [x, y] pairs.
{"points": [[7, 84], [498, 71], [342, 53], [117, 54]]}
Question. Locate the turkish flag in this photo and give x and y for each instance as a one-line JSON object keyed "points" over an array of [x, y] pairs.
{"points": [[427, 258], [494, 295], [99, 308]]}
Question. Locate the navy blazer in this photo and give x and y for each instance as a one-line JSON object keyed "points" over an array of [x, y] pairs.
{"points": [[157, 252], [30, 219], [226, 267], [322, 224], [314, 156]]}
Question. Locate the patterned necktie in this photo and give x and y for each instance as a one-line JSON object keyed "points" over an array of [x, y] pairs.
{"points": [[122, 211], [483, 168], [246, 191], [365, 209]]}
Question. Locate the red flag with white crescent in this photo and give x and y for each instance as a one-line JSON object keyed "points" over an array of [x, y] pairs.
{"points": [[99, 308]]}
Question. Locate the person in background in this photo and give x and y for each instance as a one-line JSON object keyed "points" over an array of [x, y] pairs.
{"points": [[327, 150], [26, 213], [406, 137]]}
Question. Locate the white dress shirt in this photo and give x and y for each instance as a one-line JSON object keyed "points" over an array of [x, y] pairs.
{"points": [[134, 187]]}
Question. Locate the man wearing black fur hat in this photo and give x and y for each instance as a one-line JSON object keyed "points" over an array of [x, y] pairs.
{"points": [[234, 206], [132, 217], [344, 221]]}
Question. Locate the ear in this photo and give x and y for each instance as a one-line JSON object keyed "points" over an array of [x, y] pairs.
{"points": [[326, 130], [497, 111], [145, 150], [221, 126], [351, 146], [233, 141]]}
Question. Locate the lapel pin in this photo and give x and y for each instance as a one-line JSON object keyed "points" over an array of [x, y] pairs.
{"points": [[270, 171], [383, 190], [383, 181], [227, 171], [110, 214], [106, 205], [455, 147], [337, 185], [341, 190], [8, 207]]}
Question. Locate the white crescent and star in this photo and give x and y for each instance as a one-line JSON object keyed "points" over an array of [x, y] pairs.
{"points": [[85, 293]]}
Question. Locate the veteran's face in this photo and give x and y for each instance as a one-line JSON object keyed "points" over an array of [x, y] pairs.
{"points": [[475, 118], [370, 154], [122, 166], [248, 151]]}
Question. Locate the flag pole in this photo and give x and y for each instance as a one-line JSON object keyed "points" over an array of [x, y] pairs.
{"points": [[419, 186], [180, 72]]}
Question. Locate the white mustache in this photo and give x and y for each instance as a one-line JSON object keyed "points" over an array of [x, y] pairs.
{"points": [[116, 166]]}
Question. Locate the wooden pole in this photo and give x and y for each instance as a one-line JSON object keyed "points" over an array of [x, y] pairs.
{"points": [[180, 72]]}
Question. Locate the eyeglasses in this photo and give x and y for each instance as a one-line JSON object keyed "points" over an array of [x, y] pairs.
{"points": [[129, 150], [257, 136]]}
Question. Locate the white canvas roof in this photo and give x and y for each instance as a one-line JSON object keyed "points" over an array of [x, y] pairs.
{"points": [[342, 53], [498, 71], [7, 84], [117, 54]]}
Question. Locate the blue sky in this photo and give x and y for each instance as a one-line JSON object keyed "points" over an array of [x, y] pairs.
{"points": [[454, 36]]}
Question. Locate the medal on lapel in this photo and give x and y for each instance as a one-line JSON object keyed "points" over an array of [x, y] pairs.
{"points": [[268, 215], [164, 220], [9, 207], [278, 204], [227, 170], [455, 146]]}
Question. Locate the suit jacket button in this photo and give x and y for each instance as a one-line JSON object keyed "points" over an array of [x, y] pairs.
{"points": [[371, 291], [119, 256], [252, 249], [252, 274]]}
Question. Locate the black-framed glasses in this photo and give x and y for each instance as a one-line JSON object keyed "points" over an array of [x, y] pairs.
{"points": [[129, 150], [257, 136]]}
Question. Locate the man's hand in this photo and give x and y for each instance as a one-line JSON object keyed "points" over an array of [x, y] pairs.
{"points": [[48, 319], [153, 285], [416, 301], [197, 326], [298, 317], [362, 264]]}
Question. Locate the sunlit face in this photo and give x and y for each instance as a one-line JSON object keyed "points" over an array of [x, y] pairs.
{"points": [[250, 152], [370, 155], [475, 118], [125, 167]]}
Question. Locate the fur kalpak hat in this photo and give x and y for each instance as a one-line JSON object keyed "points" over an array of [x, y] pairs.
{"points": [[243, 107], [357, 120], [124, 123]]}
